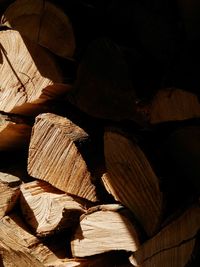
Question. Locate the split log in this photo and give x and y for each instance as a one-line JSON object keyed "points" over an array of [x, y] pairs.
{"points": [[42, 22], [15, 234], [30, 75], [10, 256], [173, 105], [47, 209], [15, 132], [104, 228], [104, 74], [131, 180], [173, 245], [9, 192], [56, 156]]}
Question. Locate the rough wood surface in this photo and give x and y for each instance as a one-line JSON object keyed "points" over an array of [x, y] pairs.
{"points": [[12, 257], [173, 245], [173, 105], [28, 73], [15, 234], [47, 209], [104, 228], [55, 156], [15, 132], [9, 192], [43, 23], [131, 180]]}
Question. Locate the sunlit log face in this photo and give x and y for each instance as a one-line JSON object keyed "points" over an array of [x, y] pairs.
{"points": [[27, 69]]}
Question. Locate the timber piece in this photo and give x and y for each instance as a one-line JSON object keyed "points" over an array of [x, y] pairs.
{"points": [[9, 192], [131, 179], [56, 155], [104, 74], [173, 104], [12, 257], [102, 229], [15, 234], [15, 132], [47, 209], [30, 75], [173, 245], [42, 22]]}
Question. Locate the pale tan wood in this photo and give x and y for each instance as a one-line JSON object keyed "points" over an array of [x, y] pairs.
{"points": [[12, 257], [104, 228], [15, 132], [42, 22], [173, 104], [173, 245], [30, 75], [131, 180], [55, 156], [47, 209], [15, 234], [9, 192]]}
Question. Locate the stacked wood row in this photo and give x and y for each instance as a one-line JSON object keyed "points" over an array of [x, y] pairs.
{"points": [[99, 157]]}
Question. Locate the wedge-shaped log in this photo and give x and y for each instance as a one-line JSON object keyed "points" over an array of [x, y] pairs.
{"points": [[104, 228], [173, 245], [43, 23], [131, 179], [47, 209], [173, 105], [15, 132], [9, 192], [15, 234], [55, 156], [29, 74]]}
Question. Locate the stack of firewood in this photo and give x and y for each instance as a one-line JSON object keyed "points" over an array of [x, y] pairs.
{"points": [[96, 169]]}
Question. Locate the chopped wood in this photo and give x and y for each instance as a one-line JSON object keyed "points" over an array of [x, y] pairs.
{"points": [[47, 209], [55, 156], [103, 74], [15, 132], [15, 234], [12, 257], [29, 73], [9, 192], [173, 104], [131, 180], [173, 245], [104, 228], [43, 23]]}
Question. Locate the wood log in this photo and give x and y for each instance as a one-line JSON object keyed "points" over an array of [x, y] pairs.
{"points": [[30, 75], [104, 228], [131, 180], [15, 132], [42, 22], [47, 209], [56, 156], [104, 74], [10, 256], [173, 245], [173, 104], [9, 192], [15, 234]]}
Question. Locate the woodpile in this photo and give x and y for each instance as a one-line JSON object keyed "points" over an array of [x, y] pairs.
{"points": [[99, 134]]}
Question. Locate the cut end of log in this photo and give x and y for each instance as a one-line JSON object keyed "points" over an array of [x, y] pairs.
{"points": [[43, 23], [54, 156], [132, 181], [104, 228]]}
